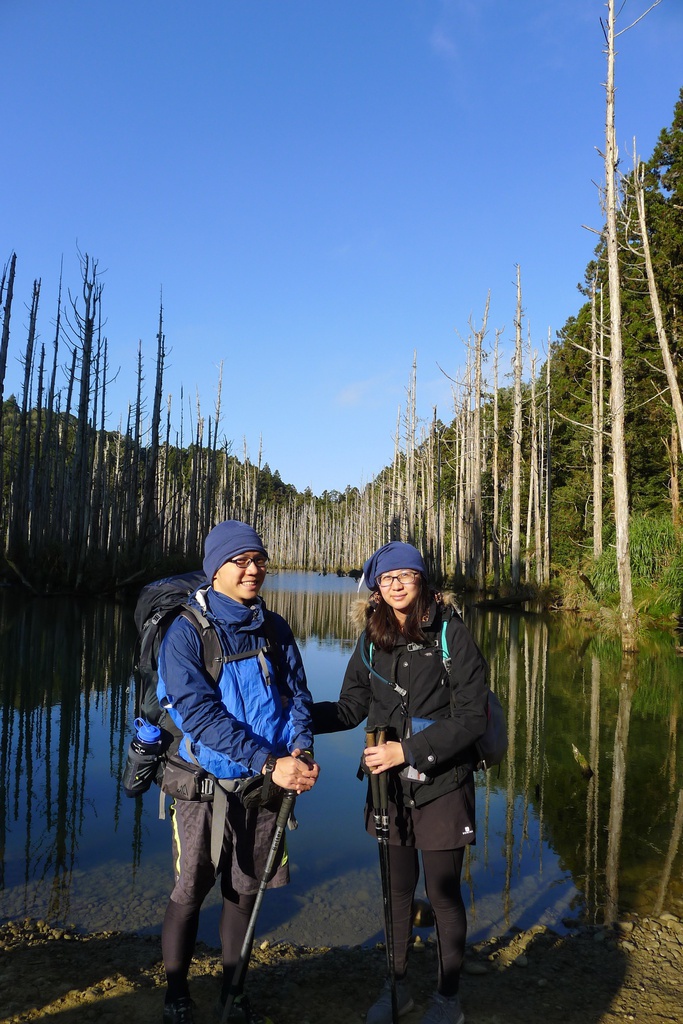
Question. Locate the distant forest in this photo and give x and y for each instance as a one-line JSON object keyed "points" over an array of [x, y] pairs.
{"points": [[512, 496]]}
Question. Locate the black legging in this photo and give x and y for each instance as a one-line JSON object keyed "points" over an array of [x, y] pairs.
{"points": [[179, 935], [442, 870]]}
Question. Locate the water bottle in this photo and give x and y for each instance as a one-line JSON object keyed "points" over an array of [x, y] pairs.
{"points": [[142, 764]]}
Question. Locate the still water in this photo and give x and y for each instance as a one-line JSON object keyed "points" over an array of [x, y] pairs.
{"points": [[552, 844]]}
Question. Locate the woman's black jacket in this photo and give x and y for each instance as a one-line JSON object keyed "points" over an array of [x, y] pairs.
{"points": [[457, 705]]}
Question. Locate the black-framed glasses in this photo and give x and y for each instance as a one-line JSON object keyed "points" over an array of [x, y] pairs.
{"points": [[406, 576], [243, 563]]}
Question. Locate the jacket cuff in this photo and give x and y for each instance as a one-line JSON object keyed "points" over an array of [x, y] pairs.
{"points": [[423, 756]]}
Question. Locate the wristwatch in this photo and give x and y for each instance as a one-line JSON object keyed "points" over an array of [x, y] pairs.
{"points": [[269, 789]]}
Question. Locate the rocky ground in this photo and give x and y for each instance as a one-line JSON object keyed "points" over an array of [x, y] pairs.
{"points": [[589, 976]]}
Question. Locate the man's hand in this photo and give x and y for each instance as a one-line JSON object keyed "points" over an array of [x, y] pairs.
{"points": [[296, 771]]}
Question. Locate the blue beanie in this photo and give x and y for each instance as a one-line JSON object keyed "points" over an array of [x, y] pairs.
{"points": [[395, 555], [227, 540]]}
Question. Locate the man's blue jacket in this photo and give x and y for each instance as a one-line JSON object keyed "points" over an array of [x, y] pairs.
{"points": [[233, 725]]}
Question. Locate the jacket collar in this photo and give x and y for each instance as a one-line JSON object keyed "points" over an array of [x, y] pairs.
{"points": [[434, 616], [431, 622], [227, 612]]}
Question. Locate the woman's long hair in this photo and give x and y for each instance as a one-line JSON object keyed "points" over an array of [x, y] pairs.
{"points": [[382, 627]]}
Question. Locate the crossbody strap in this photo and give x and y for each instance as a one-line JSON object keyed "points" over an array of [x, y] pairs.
{"points": [[367, 661]]}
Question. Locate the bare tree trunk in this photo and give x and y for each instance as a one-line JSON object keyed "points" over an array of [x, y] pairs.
{"points": [[82, 463], [411, 427], [102, 495], [547, 549], [672, 448], [8, 290], [477, 515], [49, 493], [618, 391], [516, 510], [496, 469], [149, 491], [64, 451], [672, 379], [598, 422], [535, 478], [19, 511]]}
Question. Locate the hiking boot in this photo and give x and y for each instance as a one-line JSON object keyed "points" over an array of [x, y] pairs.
{"points": [[179, 1012], [443, 1010], [380, 1012], [240, 1011]]}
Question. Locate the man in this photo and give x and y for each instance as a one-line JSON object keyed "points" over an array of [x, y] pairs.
{"points": [[255, 721]]}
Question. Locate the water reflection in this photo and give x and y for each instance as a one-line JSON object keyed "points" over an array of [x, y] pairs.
{"points": [[552, 844], [62, 714]]}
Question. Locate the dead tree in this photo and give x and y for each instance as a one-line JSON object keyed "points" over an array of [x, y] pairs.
{"points": [[6, 290], [149, 488], [516, 509], [669, 368], [597, 390], [495, 468], [86, 325], [19, 511], [617, 391], [479, 565]]}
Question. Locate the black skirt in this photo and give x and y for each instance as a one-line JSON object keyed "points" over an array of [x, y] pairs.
{"points": [[446, 823]]}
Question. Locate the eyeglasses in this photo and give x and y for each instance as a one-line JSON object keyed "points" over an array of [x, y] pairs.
{"points": [[244, 563], [386, 579]]}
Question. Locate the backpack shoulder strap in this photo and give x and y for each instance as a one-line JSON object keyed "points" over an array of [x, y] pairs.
{"points": [[211, 645], [445, 652], [273, 648], [215, 657], [269, 629]]}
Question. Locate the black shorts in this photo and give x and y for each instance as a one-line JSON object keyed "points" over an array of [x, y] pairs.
{"points": [[446, 823], [246, 843]]}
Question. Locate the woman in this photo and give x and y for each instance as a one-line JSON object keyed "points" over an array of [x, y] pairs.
{"points": [[398, 674]]}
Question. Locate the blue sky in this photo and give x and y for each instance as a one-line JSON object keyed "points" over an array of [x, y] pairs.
{"points": [[320, 188]]}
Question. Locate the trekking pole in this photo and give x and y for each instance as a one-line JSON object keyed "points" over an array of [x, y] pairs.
{"points": [[380, 806], [245, 953]]}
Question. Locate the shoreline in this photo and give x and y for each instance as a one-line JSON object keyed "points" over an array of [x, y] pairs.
{"points": [[591, 975]]}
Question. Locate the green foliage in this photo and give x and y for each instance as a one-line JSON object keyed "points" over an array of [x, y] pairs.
{"points": [[648, 413], [656, 548], [672, 582]]}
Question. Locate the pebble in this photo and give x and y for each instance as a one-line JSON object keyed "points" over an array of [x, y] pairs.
{"points": [[474, 967]]}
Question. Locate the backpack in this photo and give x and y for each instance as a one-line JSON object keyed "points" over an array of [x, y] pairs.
{"points": [[158, 605], [492, 746]]}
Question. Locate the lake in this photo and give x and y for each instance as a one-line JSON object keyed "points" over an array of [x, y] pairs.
{"points": [[553, 845]]}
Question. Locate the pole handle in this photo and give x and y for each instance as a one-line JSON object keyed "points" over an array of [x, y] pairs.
{"points": [[382, 779], [374, 779]]}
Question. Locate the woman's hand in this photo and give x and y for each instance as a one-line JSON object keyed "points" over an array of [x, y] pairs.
{"points": [[386, 755]]}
